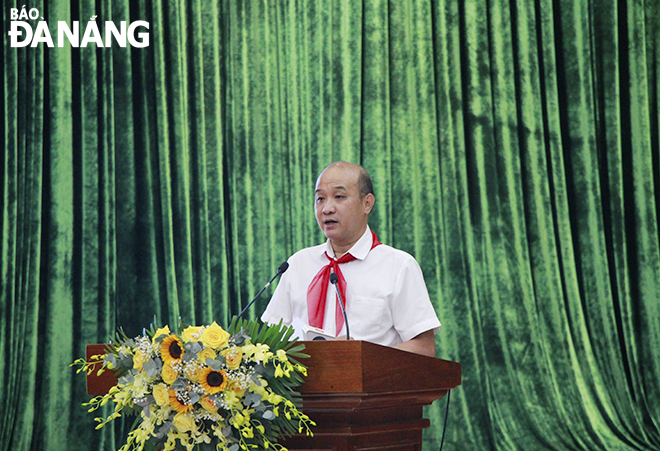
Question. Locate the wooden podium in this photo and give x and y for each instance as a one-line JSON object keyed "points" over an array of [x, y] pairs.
{"points": [[362, 396]]}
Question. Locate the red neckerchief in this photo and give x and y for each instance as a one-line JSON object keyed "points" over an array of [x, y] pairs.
{"points": [[317, 291]]}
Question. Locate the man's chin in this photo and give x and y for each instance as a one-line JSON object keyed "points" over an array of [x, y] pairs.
{"points": [[329, 235], [330, 230]]}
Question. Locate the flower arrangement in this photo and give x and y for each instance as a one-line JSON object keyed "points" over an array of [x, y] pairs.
{"points": [[205, 388]]}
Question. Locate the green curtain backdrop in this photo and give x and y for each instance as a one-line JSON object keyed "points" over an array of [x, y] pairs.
{"points": [[515, 151]]}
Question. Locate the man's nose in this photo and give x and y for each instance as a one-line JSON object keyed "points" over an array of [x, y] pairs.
{"points": [[329, 207]]}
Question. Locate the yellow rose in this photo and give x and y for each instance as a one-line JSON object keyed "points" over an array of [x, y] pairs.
{"points": [[192, 372], [206, 353], [161, 394], [183, 422], [168, 374], [235, 387], [206, 402], [162, 331], [215, 337], [138, 360], [191, 333], [233, 357]]}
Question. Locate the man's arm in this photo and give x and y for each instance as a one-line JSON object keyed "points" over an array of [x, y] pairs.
{"points": [[423, 343]]}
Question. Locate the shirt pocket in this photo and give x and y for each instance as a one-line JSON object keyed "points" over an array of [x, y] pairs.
{"points": [[368, 316]]}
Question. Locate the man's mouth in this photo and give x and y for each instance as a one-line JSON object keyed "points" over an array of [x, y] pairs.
{"points": [[329, 222]]}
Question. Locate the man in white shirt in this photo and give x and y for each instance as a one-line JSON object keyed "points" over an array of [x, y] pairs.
{"points": [[384, 291]]}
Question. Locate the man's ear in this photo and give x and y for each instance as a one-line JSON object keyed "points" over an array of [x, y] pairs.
{"points": [[369, 201]]}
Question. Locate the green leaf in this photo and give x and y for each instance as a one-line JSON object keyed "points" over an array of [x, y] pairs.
{"points": [[214, 364], [152, 367], [179, 384]]}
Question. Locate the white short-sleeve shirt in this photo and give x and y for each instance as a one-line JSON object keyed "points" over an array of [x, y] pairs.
{"points": [[386, 298]]}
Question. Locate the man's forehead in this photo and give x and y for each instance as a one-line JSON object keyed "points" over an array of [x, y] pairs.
{"points": [[337, 177]]}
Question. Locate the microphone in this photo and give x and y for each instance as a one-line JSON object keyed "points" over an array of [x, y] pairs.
{"points": [[283, 267], [333, 280]]}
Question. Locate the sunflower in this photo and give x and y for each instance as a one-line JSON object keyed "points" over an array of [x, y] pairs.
{"points": [[171, 349], [177, 405], [213, 381]]}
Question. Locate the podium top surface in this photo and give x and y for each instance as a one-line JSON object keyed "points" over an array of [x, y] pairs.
{"points": [[357, 367], [363, 367]]}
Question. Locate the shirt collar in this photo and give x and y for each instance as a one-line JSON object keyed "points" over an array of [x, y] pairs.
{"points": [[360, 249]]}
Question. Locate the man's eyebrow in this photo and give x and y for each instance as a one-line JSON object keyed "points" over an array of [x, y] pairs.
{"points": [[334, 187]]}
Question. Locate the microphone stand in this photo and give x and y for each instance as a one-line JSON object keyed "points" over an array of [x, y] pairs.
{"points": [[333, 280], [283, 267]]}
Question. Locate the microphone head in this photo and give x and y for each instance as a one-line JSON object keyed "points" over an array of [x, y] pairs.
{"points": [[283, 267], [333, 278]]}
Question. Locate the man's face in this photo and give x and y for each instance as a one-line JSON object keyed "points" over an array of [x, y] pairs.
{"points": [[340, 212]]}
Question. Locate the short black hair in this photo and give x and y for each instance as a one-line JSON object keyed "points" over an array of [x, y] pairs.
{"points": [[364, 182]]}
